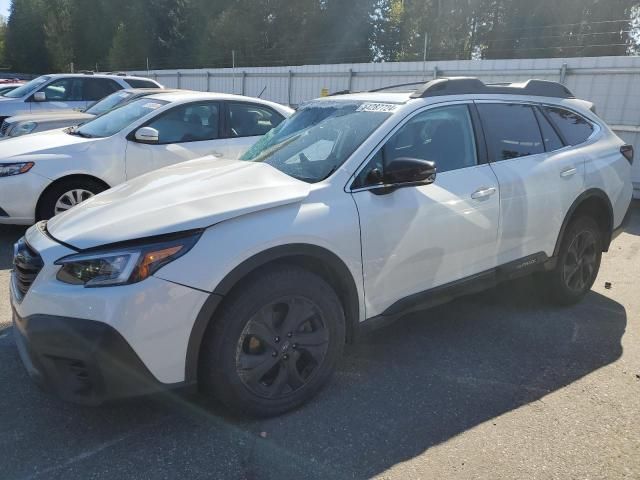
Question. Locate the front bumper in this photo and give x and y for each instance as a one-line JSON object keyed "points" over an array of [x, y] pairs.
{"points": [[90, 345], [80, 360], [19, 196]]}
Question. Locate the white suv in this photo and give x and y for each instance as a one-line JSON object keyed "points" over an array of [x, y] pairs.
{"points": [[47, 173], [66, 91], [247, 277]]}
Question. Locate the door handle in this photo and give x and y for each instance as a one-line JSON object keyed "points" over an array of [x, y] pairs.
{"points": [[216, 154], [482, 193], [568, 172]]}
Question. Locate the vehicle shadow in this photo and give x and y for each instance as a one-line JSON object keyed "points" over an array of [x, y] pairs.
{"points": [[401, 391]]}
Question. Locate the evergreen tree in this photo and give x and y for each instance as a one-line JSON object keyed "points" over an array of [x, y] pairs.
{"points": [[25, 41], [44, 35]]}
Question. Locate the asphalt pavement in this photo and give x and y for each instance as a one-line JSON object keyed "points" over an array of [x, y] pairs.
{"points": [[498, 385]]}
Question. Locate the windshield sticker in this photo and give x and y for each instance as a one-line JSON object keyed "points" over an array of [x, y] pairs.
{"points": [[377, 107], [152, 106]]}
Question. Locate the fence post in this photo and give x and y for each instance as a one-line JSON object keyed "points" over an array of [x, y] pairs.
{"points": [[563, 73], [208, 81], [350, 85], [178, 75], [289, 86], [435, 72], [244, 82]]}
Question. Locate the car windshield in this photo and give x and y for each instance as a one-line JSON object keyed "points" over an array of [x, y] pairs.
{"points": [[319, 137], [114, 121], [108, 103], [27, 88]]}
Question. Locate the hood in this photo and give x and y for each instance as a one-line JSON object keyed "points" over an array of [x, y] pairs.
{"points": [[185, 196], [41, 145], [50, 117]]}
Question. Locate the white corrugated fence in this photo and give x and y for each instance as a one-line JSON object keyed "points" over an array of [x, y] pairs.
{"points": [[612, 83]]}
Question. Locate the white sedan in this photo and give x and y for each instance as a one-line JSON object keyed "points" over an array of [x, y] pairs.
{"points": [[47, 173]]}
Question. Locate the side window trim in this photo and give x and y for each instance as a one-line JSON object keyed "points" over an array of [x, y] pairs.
{"points": [[536, 114], [482, 151], [540, 108], [350, 186]]}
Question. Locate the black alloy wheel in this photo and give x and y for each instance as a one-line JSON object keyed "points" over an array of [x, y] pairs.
{"points": [[281, 347], [580, 262]]}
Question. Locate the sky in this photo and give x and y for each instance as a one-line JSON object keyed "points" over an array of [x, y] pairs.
{"points": [[4, 7]]}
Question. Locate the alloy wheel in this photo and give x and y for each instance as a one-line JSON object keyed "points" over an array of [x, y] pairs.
{"points": [[580, 261], [71, 199], [281, 347]]}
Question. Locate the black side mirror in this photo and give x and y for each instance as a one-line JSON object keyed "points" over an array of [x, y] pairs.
{"points": [[404, 172], [413, 171]]}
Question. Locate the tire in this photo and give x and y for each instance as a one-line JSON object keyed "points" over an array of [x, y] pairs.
{"points": [[575, 272], [72, 190], [260, 361]]}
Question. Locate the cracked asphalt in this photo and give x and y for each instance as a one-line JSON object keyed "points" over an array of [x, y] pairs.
{"points": [[492, 386]]}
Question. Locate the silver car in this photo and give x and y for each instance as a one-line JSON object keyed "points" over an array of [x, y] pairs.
{"points": [[39, 122]]}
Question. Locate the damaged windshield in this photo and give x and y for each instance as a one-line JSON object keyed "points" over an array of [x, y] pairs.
{"points": [[319, 137]]}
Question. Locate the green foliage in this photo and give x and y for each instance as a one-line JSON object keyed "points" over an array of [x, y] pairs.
{"points": [[25, 40], [45, 35], [3, 34]]}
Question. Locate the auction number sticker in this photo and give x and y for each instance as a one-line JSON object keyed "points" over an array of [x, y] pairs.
{"points": [[377, 107]]}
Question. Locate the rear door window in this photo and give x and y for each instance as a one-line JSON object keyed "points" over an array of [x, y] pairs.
{"points": [[247, 120], [138, 83], [511, 130], [97, 88], [574, 128]]}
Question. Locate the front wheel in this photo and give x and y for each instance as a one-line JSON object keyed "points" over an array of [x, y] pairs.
{"points": [[275, 343], [66, 194], [578, 262]]}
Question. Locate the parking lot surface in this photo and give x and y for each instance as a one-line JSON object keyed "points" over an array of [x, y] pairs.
{"points": [[496, 385]]}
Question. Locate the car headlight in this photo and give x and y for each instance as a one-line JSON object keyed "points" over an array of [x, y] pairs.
{"points": [[10, 169], [124, 265], [23, 129]]}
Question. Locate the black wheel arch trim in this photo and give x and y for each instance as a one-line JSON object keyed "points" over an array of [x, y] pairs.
{"points": [[586, 195], [349, 298]]}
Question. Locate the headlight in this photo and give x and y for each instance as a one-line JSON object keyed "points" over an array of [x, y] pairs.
{"points": [[124, 265], [23, 129], [10, 169]]}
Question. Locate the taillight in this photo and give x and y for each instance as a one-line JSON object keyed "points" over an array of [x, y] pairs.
{"points": [[627, 152]]}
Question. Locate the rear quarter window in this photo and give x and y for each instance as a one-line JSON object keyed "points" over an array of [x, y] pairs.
{"points": [[574, 128], [137, 83]]}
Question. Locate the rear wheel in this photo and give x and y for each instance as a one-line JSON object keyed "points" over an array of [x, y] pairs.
{"points": [[275, 343], [67, 194], [578, 262]]}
